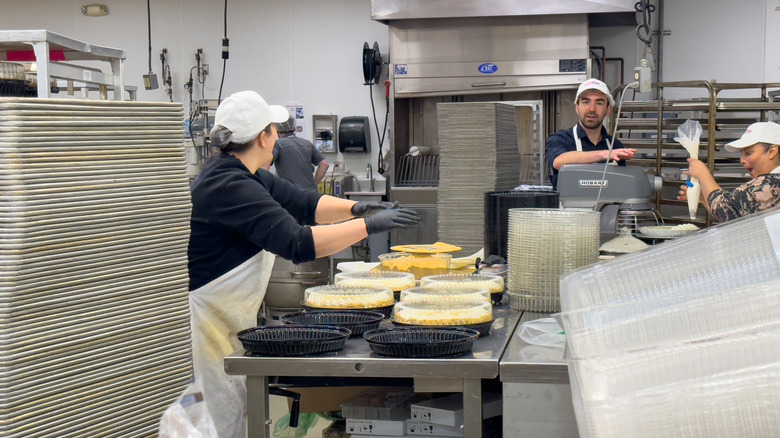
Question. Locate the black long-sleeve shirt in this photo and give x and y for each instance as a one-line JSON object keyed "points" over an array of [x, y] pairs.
{"points": [[236, 214]]}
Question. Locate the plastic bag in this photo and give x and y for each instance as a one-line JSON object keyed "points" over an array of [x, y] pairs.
{"points": [[688, 135], [542, 331], [282, 428], [188, 417]]}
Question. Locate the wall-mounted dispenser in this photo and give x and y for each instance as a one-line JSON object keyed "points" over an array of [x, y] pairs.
{"points": [[325, 136], [354, 134]]}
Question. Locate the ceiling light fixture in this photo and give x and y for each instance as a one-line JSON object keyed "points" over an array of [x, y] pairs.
{"points": [[94, 10]]}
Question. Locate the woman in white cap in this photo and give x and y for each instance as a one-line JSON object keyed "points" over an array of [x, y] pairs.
{"points": [[760, 148], [241, 216]]}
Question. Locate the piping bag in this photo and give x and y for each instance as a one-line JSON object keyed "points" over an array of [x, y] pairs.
{"points": [[688, 136]]}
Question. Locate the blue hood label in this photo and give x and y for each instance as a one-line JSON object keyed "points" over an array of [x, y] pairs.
{"points": [[487, 68]]}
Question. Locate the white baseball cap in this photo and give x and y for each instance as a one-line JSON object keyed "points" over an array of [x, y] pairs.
{"points": [[244, 115], [595, 84], [761, 132]]}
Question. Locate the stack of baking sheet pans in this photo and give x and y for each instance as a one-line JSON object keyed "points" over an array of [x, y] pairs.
{"points": [[94, 216], [478, 149]]}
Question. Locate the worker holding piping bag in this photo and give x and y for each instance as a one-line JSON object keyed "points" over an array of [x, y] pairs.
{"points": [[688, 136], [760, 156]]}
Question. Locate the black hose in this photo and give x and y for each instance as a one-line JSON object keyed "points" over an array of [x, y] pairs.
{"points": [[645, 8], [224, 56], [149, 27]]}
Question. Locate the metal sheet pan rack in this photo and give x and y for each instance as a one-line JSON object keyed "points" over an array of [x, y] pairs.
{"points": [[724, 111], [43, 43]]}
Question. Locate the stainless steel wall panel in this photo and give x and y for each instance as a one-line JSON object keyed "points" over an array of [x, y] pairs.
{"points": [[479, 55]]}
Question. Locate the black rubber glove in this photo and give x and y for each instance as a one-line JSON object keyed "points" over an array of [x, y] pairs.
{"points": [[367, 208], [388, 219]]}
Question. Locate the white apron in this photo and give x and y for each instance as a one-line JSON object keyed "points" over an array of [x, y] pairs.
{"points": [[219, 310], [578, 144]]}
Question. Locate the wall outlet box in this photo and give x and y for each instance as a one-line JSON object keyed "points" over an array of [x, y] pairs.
{"points": [[642, 75], [150, 81]]}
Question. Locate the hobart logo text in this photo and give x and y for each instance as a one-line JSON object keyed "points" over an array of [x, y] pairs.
{"points": [[593, 183]]}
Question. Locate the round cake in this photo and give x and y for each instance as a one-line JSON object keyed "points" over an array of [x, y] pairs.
{"points": [[457, 313], [343, 297], [426, 294], [493, 283], [419, 265], [395, 281]]}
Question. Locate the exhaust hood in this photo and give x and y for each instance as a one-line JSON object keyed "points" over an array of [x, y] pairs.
{"points": [[385, 10], [488, 55], [457, 47]]}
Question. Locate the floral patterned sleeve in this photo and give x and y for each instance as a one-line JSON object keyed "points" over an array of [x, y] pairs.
{"points": [[756, 195]]}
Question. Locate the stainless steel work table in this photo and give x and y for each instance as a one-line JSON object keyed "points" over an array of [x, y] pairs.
{"points": [[535, 389], [530, 363], [458, 374]]}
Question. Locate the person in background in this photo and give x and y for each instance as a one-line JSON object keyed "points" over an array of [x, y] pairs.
{"points": [[294, 158], [241, 216], [586, 142], [759, 146]]}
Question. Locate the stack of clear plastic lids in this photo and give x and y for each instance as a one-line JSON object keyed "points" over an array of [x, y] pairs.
{"points": [[345, 297], [667, 342], [543, 244], [493, 283], [395, 281], [442, 295]]}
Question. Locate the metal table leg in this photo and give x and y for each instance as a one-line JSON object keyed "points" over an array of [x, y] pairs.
{"points": [[472, 407], [258, 421]]}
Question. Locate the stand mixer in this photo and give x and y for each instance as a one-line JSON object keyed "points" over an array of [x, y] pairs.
{"points": [[625, 198]]}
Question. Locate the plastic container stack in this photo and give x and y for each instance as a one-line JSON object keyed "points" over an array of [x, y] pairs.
{"points": [[497, 206], [543, 245], [669, 343]]}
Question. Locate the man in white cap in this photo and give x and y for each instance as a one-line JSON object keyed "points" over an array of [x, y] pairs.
{"points": [[242, 215], [760, 156], [588, 141]]}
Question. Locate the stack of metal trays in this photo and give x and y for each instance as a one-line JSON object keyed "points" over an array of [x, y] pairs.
{"points": [[478, 148], [94, 214]]}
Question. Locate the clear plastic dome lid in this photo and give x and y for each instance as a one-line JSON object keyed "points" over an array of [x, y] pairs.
{"points": [[449, 313], [461, 292], [395, 281], [493, 283], [344, 297]]}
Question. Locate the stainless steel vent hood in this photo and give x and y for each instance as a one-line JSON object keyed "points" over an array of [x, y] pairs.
{"points": [[485, 55], [385, 10], [456, 47]]}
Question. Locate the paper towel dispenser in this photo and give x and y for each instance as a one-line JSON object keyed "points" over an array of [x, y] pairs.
{"points": [[354, 134]]}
